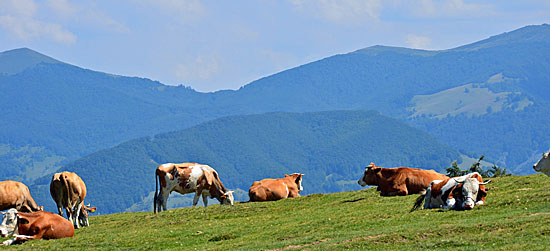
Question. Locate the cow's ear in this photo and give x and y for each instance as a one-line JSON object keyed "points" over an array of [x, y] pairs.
{"points": [[286, 175], [377, 170], [92, 209]]}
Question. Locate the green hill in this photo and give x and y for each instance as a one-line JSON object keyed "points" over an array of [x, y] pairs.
{"points": [[330, 148], [515, 217]]}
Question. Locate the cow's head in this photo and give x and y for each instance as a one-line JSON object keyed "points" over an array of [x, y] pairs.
{"points": [[227, 198], [83, 216], [9, 223], [370, 176], [543, 165], [467, 192], [297, 177]]}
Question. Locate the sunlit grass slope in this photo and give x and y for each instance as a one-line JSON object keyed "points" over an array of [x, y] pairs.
{"points": [[517, 215]]}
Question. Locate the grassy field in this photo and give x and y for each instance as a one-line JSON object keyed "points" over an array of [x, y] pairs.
{"points": [[517, 215]]}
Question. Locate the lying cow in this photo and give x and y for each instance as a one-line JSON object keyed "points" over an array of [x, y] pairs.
{"points": [[276, 189], [400, 180], [187, 178], [68, 191], [459, 193], [543, 165], [34, 226], [16, 195]]}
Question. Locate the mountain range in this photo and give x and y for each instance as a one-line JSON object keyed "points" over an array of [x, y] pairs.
{"points": [[489, 97]]}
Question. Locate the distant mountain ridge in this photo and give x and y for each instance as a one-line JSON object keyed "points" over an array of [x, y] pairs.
{"points": [[58, 112]]}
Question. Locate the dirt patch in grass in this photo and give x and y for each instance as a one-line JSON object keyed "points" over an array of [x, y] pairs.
{"points": [[300, 246], [544, 213]]}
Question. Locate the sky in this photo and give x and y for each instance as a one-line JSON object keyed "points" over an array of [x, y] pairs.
{"points": [[215, 45]]}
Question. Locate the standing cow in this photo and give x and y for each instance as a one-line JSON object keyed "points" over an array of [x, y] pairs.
{"points": [[276, 189], [34, 226], [400, 180], [68, 191], [187, 178], [16, 195], [543, 165], [459, 193]]}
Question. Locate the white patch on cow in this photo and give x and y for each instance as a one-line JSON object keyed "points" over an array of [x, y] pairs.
{"points": [[196, 173], [286, 187], [450, 203], [480, 202], [300, 185], [167, 165]]}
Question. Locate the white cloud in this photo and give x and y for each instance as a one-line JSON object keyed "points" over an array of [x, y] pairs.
{"points": [[418, 42], [62, 7], [182, 9], [203, 67], [448, 8], [341, 11], [17, 17]]}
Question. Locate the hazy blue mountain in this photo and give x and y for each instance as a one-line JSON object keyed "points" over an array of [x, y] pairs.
{"points": [[54, 113], [330, 148]]}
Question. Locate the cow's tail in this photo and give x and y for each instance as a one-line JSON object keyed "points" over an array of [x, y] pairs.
{"points": [[418, 202], [156, 192]]}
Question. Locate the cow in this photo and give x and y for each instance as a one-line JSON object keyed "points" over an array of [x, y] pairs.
{"points": [[34, 226], [68, 191], [16, 195], [543, 165], [276, 189], [399, 181], [459, 193], [186, 178]]}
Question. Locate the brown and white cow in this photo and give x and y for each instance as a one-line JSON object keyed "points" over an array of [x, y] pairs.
{"points": [[187, 178], [16, 195], [34, 226], [543, 165], [68, 191], [276, 189], [400, 180], [459, 193]]}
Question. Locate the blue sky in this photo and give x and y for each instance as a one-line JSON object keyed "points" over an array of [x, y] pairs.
{"points": [[213, 45]]}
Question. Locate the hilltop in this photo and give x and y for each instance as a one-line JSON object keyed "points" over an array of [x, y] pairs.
{"points": [[516, 216]]}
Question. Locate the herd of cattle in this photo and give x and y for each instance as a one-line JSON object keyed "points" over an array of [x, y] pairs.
{"points": [[25, 220]]}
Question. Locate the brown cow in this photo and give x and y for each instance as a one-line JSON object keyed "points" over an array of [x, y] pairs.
{"points": [[459, 193], [34, 226], [16, 195], [400, 180], [186, 178], [68, 191], [276, 189]]}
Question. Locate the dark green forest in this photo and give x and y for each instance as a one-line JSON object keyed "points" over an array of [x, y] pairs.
{"points": [[330, 148]]}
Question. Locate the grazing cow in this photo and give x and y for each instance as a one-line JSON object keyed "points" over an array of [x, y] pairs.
{"points": [[400, 180], [543, 165], [186, 178], [460, 193], [276, 189], [34, 226], [68, 191], [16, 195]]}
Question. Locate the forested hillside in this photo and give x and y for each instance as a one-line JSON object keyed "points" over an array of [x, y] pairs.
{"points": [[330, 148]]}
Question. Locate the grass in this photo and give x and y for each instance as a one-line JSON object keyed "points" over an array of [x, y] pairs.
{"points": [[517, 215]]}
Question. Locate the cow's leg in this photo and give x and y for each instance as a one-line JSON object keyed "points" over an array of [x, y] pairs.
{"points": [[163, 199], [76, 214], [20, 239], [69, 214], [196, 198], [59, 208], [205, 199]]}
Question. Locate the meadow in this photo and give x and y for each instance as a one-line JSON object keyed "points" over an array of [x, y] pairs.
{"points": [[516, 216]]}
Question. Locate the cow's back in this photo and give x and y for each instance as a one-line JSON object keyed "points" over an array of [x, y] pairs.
{"points": [[57, 190], [55, 226], [15, 194], [267, 190], [418, 180]]}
